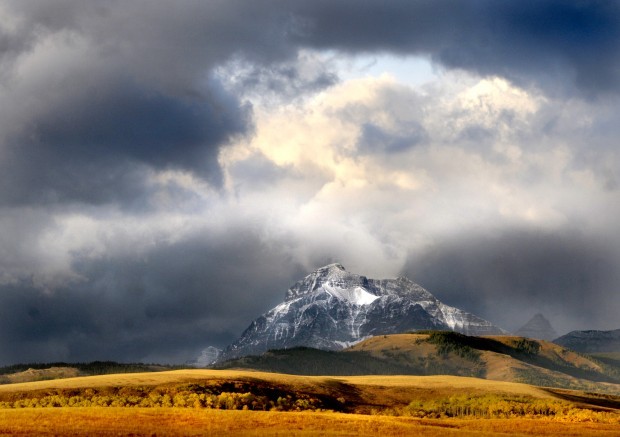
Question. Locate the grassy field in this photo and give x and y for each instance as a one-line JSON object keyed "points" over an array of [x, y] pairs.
{"points": [[203, 402], [174, 421], [392, 389]]}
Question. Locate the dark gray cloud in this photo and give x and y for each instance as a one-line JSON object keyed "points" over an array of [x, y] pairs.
{"points": [[557, 45], [167, 304], [96, 94], [509, 275], [95, 146]]}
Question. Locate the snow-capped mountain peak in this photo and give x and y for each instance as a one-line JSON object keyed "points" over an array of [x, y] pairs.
{"points": [[331, 308], [332, 275], [335, 281]]}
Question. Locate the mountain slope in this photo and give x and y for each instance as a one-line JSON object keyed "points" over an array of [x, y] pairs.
{"points": [[500, 358], [591, 341], [331, 309]]}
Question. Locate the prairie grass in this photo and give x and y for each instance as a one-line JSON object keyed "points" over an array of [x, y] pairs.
{"points": [[386, 391], [439, 382], [173, 421], [210, 402]]}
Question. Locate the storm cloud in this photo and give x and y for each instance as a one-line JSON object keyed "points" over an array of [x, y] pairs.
{"points": [[168, 170], [160, 306], [527, 42], [517, 273]]}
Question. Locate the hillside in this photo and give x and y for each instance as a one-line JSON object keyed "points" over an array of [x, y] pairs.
{"points": [[45, 371], [31, 374], [591, 341], [499, 358]]}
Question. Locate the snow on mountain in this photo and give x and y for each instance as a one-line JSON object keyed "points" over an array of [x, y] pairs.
{"points": [[332, 309], [357, 295]]}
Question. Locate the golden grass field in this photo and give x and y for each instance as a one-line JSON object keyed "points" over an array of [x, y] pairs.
{"points": [[382, 396], [152, 378], [175, 421]]}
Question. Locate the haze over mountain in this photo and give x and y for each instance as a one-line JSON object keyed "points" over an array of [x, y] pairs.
{"points": [[331, 309], [537, 327]]}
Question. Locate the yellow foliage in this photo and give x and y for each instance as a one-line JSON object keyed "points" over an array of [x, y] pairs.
{"points": [[505, 407]]}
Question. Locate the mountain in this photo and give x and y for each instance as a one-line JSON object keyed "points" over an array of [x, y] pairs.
{"points": [[537, 327], [331, 309], [591, 341], [500, 358]]}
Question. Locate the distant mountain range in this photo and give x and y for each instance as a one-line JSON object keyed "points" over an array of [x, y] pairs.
{"points": [[331, 309], [591, 341]]}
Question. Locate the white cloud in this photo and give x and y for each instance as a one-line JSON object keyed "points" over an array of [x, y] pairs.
{"points": [[390, 203], [300, 177]]}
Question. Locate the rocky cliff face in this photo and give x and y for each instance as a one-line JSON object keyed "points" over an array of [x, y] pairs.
{"points": [[332, 309]]}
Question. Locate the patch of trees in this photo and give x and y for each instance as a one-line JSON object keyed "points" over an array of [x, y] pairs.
{"points": [[454, 342], [523, 349], [226, 396], [494, 406], [527, 346], [224, 401], [309, 361]]}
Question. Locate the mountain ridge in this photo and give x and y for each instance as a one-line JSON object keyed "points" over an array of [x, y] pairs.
{"points": [[591, 341]]}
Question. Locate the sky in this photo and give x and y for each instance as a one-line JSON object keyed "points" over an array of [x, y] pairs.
{"points": [[169, 169]]}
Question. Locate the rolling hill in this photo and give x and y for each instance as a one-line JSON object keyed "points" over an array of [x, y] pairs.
{"points": [[499, 358], [238, 402], [351, 394], [46, 371]]}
